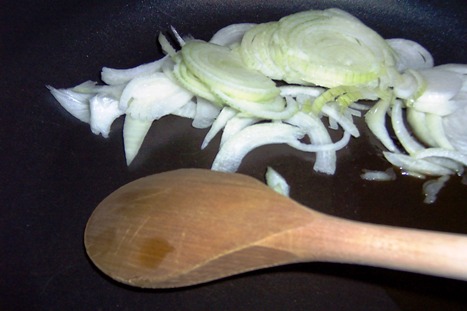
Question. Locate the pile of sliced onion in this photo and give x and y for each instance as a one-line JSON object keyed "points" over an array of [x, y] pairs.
{"points": [[333, 69]]}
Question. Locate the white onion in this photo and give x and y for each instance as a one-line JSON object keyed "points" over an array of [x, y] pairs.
{"points": [[372, 175], [77, 104], [235, 125], [375, 119], [113, 76], [442, 153], [403, 135], [276, 182], [231, 34], [134, 131], [219, 123], [414, 165], [455, 129], [345, 121], [432, 187], [104, 110], [315, 129], [232, 152], [206, 113], [410, 54]]}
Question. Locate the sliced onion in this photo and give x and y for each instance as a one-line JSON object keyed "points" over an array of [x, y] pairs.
{"points": [[104, 110], [232, 152], [372, 175], [235, 125], [442, 153], [455, 129], [434, 124], [272, 110], [276, 182], [258, 50], [345, 121], [222, 70], [418, 166], [410, 54], [295, 90], [113, 76], [417, 122], [315, 129], [150, 97], [206, 113], [77, 104], [441, 87], [231, 34], [431, 188], [403, 135], [186, 111], [219, 123], [375, 118], [134, 131]]}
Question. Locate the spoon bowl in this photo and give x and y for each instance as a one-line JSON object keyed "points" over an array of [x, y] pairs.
{"points": [[191, 226]]}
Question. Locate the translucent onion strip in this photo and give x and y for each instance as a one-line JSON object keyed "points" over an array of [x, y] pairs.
{"points": [[219, 123], [376, 120], [276, 182], [403, 135], [413, 165], [113, 76], [231, 34], [134, 131], [442, 153], [232, 152]]}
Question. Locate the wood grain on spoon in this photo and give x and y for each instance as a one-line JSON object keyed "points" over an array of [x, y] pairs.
{"points": [[192, 226]]}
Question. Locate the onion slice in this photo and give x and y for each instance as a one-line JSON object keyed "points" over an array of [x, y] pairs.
{"points": [[232, 152]]}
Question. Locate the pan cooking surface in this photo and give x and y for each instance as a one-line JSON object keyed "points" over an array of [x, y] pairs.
{"points": [[55, 171]]}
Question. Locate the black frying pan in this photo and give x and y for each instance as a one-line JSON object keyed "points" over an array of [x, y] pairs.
{"points": [[54, 171]]}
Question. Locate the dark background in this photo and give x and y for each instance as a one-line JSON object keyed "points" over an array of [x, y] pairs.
{"points": [[54, 171]]}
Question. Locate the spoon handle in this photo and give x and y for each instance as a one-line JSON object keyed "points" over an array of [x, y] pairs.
{"points": [[345, 241]]}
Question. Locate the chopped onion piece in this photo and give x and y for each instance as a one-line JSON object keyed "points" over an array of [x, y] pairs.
{"points": [[441, 87], [276, 182], [410, 54], [166, 46], [458, 68], [442, 153], [134, 131], [315, 129], [419, 166], [403, 135], [113, 76], [408, 84], [375, 118], [386, 175], [233, 151], [332, 111], [455, 129], [77, 104], [235, 125], [219, 123], [231, 34], [417, 122], [186, 111], [181, 41], [104, 111], [150, 97], [206, 113], [431, 188], [434, 124], [295, 90]]}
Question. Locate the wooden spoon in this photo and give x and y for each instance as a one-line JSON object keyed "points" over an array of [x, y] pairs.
{"points": [[191, 226]]}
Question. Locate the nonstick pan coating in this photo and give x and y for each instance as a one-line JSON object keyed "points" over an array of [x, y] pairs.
{"points": [[54, 171]]}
